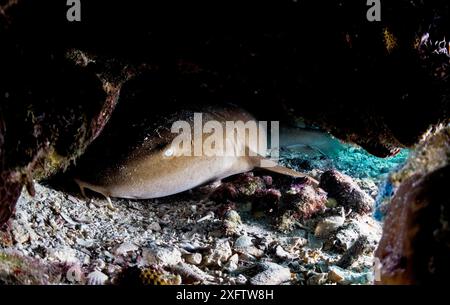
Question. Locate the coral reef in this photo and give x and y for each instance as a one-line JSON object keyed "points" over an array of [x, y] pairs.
{"points": [[306, 200], [346, 192], [67, 108]]}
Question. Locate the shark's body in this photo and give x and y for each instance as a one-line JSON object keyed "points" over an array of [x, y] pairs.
{"points": [[155, 168]]}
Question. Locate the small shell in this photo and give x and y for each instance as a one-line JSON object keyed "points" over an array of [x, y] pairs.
{"points": [[96, 278]]}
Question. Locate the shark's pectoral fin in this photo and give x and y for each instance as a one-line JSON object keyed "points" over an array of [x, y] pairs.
{"points": [[290, 172], [272, 166], [83, 186]]}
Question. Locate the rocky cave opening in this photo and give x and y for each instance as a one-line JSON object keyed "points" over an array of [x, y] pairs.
{"points": [[378, 214]]}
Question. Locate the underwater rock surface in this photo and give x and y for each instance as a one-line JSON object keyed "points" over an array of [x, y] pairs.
{"points": [[415, 248], [346, 192]]}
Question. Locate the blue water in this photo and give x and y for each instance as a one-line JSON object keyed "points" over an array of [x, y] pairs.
{"points": [[357, 163], [351, 160]]}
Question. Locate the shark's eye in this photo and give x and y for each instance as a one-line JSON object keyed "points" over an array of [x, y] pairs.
{"points": [[169, 152]]}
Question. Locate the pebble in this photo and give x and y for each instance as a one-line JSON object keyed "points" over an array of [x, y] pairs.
{"points": [[99, 264], [220, 253], [292, 243], [283, 254], [244, 245], [243, 242], [125, 247], [241, 279], [155, 226], [85, 242], [345, 277], [351, 231], [64, 255], [272, 274], [233, 216], [329, 225], [245, 257], [19, 233], [360, 246], [193, 258], [346, 236], [232, 264], [317, 279], [162, 255]]}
